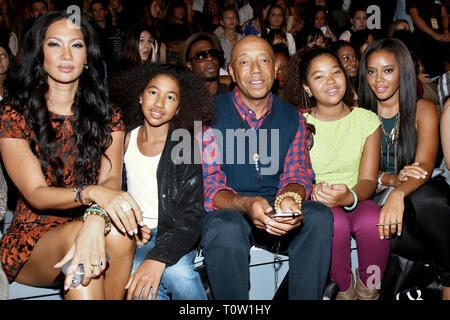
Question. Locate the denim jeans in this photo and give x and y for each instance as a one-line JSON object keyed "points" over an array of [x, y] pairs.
{"points": [[228, 235], [180, 281]]}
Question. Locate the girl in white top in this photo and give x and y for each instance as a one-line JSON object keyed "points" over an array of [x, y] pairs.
{"points": [[169, 191]]}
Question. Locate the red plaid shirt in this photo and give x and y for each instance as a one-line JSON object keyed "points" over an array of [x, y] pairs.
{"points": [[297, 164]]}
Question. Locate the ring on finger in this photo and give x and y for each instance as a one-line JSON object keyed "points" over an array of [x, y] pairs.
{"points": [[403, 174], [100, 264], [125, 206]]}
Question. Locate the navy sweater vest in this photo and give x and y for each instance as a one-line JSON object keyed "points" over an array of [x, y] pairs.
{"points": [[271, 142]]}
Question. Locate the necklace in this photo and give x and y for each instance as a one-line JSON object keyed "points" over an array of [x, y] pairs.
{"points": [[391, 139], [256, 157]]}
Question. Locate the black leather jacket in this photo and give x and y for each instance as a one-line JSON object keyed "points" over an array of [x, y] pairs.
{"points": [[180, 204]]}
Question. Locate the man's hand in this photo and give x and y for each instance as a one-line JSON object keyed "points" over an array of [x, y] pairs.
{"points": [[260, 213]]}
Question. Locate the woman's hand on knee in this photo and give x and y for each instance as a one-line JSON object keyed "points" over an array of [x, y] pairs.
{"points": [[121, 208], [88, 250], [147, 277], [391, 216]]}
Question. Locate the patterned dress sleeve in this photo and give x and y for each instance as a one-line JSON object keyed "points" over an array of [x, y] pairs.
{"points": [[12, 124], [117, 123]]}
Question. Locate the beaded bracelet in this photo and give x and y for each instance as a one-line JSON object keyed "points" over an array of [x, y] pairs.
{"points": [[297, 198], [355, 202], [96, 210]]}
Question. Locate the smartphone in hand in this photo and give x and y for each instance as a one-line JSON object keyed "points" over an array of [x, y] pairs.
{"points": [[285, 214]]}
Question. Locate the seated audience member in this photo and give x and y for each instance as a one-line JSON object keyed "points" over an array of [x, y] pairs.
{"points": [[174, 37], [242, 199], [37, 8], [416, 212], [61, 143], [229, 37], [170, 194], [151, 13], [322, 21], [13, 21], [361, 39], [275, 36], [350, 61], [177, 13], [203, 55], [431, 23], [254, 26], [211, 15], [111, 41], [358, 21], [276, 20], [292, 17], [121, 15], [346, 180], [398, 25], [281, 61], [310, 38], [8, 37], [140, 46]]}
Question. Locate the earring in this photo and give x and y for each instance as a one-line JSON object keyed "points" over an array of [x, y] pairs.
{"points": [[86, 67]]}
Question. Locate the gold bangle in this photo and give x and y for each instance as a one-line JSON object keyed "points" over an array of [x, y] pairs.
{"points": [[96, 210], [297, 198]]}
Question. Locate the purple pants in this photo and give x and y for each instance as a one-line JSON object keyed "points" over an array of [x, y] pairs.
{"points": [[372, 251]]}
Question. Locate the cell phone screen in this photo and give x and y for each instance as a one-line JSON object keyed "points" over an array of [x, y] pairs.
{"points": [[286, 214]]}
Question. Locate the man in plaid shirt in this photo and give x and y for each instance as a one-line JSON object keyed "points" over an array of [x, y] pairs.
{"points": [[246, 182]]}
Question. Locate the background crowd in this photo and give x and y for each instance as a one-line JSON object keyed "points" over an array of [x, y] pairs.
{"points": [[289, 25]]}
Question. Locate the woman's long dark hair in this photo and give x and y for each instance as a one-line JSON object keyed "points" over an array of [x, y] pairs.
{"points": [[28, 87], [406, 147], [266, 26], [131, 54]]}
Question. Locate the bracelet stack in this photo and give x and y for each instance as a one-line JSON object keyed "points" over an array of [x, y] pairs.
{"points": [[297, 198], [355, 202], [96, 210]]}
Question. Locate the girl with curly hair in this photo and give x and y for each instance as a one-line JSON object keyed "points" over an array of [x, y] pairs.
{"points": [[167, 182], [61, 143]]}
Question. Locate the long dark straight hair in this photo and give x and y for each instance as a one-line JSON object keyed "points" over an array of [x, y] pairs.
{"points": [[406, 144], [92, 112], [131, 49]]}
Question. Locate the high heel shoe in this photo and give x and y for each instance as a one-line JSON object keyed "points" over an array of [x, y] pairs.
{"points": [[364, 293], [350, 294]]}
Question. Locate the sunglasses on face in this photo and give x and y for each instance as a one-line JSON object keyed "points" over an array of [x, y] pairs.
{"points": [[203, 55]]}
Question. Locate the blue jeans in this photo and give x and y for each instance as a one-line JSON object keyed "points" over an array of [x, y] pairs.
{"points": [[180, 280], [228, 235]]}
